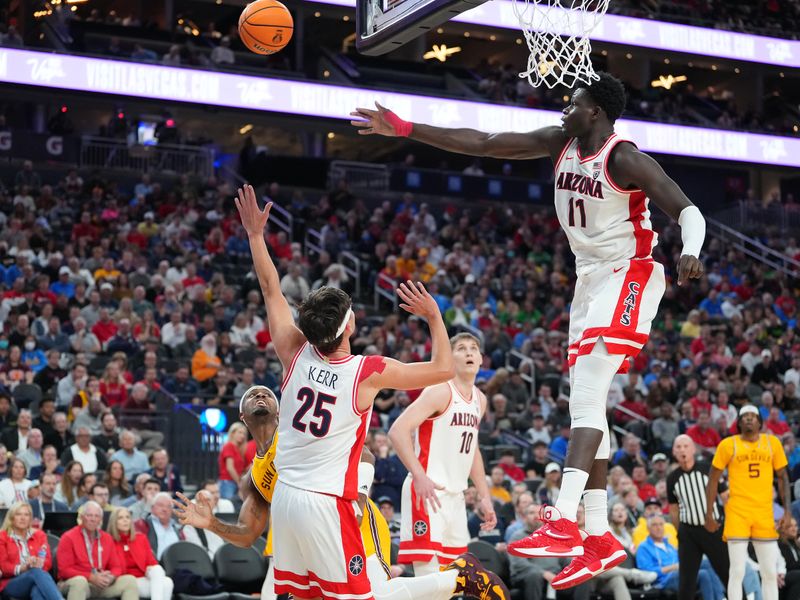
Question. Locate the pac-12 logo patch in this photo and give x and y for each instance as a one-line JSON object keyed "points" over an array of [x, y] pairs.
{"points": [[356, 565], [629, 303], [420, 528]]}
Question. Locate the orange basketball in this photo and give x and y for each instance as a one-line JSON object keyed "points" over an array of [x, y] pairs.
{"points": [[265, 26]]}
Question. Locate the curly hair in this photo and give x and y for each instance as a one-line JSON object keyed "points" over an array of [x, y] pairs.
{"points": [[608, 93]]}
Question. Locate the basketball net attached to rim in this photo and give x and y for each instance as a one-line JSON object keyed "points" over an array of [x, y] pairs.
{"points": [[557, 33]]}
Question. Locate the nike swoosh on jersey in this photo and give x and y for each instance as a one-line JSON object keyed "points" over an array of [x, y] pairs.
{"points": [[617, 270]]}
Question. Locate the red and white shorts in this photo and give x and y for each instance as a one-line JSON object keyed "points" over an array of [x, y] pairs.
{"points": [[617, 302], [317, 546], [425, 536]]}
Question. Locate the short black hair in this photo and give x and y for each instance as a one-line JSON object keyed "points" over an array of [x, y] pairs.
{"points": [[320, 315], [608, 93]]}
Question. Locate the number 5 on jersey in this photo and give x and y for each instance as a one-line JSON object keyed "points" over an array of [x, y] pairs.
{"points": [[317, 428]]}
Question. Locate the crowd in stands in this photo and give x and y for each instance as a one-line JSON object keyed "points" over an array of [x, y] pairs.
{"points": [[713, 106], [112, 295], [774, 18]]}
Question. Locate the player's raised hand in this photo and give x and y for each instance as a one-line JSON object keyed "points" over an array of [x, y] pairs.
{"points": [[425, 491], [198, 515], [254, 220], [486, 511], [689, 267], [381, 121], [416, 300]]}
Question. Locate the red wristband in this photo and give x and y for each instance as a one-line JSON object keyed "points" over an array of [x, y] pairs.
{"points": [[401, 128]]}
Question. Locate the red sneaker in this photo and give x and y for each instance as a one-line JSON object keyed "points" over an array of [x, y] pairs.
{"points": [[557, 537], [600, 553]]}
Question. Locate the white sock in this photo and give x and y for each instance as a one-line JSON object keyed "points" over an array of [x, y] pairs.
{"points": [[436, 586], [573, 481], [595, 504]]}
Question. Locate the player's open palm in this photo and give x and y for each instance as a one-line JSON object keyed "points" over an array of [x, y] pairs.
{"points": [[254, 220], [416, 300], [425, 491], [374, 121], [197, 514]]}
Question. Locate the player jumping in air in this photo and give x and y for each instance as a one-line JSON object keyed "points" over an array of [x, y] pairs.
{"points": [[752, 459], [445, 418], [603, 188], [327, 398], [258, 410]]}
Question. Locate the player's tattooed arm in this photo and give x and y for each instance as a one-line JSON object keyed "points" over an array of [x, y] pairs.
{"points": [[714, 475], [783, 490], [547, 141], [253, 517]]}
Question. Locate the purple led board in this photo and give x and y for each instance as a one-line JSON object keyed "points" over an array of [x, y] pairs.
{"points": [[157, 82], [645, 33]]}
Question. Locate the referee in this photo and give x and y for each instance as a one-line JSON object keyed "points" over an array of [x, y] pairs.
{"points": [[686, 492]]}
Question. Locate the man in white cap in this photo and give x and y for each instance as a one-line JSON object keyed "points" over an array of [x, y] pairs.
{"points": [[752, 459]]}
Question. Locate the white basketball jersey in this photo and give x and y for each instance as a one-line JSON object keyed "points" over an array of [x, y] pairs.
{"points": [[321, 432], [603, 222], [446, 444]]}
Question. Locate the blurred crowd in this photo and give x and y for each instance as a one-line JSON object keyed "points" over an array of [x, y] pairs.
{"points": [[115, 296]]}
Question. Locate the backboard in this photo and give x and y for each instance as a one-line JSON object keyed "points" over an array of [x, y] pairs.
{"points": [[384, 25]]}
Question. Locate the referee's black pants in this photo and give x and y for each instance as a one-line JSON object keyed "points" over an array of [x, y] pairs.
{"points": [[693, 543]]}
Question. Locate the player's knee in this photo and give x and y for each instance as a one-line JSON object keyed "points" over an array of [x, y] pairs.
{"points": [[736, 572]]}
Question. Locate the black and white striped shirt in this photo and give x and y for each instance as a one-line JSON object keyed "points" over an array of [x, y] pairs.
{"points": [[687, 489]]}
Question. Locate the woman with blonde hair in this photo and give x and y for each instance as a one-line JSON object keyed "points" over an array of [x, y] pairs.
{"points": [[138, 558], [25, 558], [113, 386], [232, 462], [68, 491]]}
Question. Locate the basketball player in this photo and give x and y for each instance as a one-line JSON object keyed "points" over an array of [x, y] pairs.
{"points": [[445, 418], [752, 459], [327, 398], [603, 188], [258, 410]]}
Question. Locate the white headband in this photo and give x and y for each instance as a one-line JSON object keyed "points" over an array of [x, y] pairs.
{"points": [[247, 393], [343, 324]]}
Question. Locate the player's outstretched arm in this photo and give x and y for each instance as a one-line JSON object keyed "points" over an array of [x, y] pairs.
{"points": [[432, 402], [714, 475], [285, 335], [253, 517], [547, 141], [633, 169], [414, 298]]}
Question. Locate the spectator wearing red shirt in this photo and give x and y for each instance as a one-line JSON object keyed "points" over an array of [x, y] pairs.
{"points": [[509, 466], [774, 422], [24, 569], [699, 403], [232, 462], [646, 489], [703, 435], [88, 563], [138, 558], [105, 328], [280, 246], [113, 387]]}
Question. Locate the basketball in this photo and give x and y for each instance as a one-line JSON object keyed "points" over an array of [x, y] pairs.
{"points": [[265, 26]]}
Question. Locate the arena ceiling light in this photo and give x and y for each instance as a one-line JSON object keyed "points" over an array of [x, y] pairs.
{"points": [[316, 99], [646, 33], [441, 53]]}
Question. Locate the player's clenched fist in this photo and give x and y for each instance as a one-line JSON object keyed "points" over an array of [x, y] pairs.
{"points": [[689, 267]]}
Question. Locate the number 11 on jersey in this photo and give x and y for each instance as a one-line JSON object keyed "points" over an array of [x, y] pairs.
{"points": [[573, 204]]}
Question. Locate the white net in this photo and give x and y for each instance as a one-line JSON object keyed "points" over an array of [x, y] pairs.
{"points": [[557, 34]]}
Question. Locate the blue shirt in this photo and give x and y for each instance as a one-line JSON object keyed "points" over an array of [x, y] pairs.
{"points": [[132, 463], [650, 557], [63, 289], [559, 446]]}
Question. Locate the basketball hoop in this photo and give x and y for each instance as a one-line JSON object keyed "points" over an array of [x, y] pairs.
{"points": [[558, 39]]}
